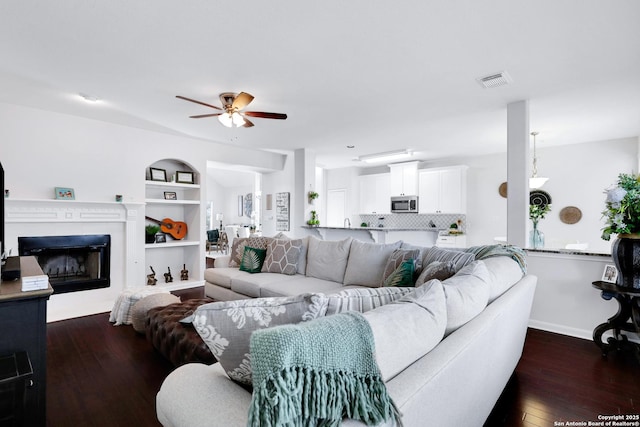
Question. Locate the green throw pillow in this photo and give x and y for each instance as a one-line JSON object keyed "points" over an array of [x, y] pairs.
{"points": [[252, 259], [403, 275]]}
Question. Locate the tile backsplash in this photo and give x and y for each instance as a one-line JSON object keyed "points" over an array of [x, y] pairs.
{"points": [[409, 220]]}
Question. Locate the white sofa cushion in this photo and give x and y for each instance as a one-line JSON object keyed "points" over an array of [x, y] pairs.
{"points": [[250, 285], [299, 285], [222, 276], [467, 294], [363, 299], [226, 326], [328, 259], [504, 272], [367, 262], [408, 328]]}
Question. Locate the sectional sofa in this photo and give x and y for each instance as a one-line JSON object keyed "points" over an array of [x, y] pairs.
{"points": [[445, 349]]}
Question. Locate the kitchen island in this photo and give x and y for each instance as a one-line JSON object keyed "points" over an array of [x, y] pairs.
{"points": [[415, 236]]}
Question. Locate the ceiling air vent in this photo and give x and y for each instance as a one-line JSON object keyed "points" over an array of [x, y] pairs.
{"points": [[495, 80]]}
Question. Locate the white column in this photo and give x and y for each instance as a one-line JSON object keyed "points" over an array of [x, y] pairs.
{"points": [[518, 173], [305, 179]]}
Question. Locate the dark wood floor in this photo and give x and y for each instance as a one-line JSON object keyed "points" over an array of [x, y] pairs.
{"points": [[104, 375]]}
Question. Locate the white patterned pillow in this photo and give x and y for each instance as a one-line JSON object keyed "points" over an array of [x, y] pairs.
{"points": [[282, 256], [226, 326], [363, 299]]}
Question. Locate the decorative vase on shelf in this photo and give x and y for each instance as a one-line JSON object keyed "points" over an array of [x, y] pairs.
{"points": [[536, 237], [625, 252]]}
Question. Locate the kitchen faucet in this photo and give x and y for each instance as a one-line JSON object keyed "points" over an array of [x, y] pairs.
{"points": [[347, 223]]}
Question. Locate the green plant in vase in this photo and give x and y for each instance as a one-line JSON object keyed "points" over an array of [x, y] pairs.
{"points": [[150, 232], [314, 221], [312, 195], [537, 213]]}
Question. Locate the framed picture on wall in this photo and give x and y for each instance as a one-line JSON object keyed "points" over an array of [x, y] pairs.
{"points": [[282, 212], [183, 177], [158, 174], [610, 273], [63, 193], [170, 195], [240, 205]]}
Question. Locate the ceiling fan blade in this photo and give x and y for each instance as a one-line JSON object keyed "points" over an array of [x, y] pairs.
{"points": [[247, 123], [264, 115], [201, 116], [198, 102], [241, 100]]}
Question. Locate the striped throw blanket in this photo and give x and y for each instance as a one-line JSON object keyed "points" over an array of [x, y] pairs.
{"points": [[513, 252], [317, 373]]}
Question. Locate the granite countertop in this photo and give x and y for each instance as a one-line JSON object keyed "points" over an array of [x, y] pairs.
{"points": [[434, 229], [566, 252]]}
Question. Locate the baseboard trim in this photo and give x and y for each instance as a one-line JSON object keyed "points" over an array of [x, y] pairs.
{"points": [[561, 329]]}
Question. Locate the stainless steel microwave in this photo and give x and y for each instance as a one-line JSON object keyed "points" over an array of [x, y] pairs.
{"points": [[404, 204]]}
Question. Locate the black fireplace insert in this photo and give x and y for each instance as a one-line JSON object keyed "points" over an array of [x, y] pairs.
{"points": [[73, 263]]}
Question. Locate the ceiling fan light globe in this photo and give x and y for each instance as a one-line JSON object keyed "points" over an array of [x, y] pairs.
{"points": [[237, 119], [226, 119], [536, 182]]}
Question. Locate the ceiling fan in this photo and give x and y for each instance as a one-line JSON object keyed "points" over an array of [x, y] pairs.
{"points": [[231, 114]]}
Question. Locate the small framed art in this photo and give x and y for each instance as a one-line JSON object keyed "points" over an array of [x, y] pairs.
{"points": [[63, 193], [158, 174], [170, 195], [610, 273], [161, 238], [184, 177]]}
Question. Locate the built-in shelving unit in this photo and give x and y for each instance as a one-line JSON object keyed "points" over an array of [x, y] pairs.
{"points": [[178, 202]]}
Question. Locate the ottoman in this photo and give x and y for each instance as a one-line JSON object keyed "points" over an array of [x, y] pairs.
{"points": [[178, 342]]}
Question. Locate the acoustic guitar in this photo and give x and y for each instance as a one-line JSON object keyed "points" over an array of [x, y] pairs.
{"points": [[176, 229]]}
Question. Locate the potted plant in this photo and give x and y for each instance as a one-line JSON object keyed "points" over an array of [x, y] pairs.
{"points": [[312, 195], [622, 214], [314, 221], [150, 232]]}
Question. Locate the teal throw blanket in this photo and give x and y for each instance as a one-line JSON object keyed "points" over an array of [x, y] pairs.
{"points": [[514, 252], [316, 373]]}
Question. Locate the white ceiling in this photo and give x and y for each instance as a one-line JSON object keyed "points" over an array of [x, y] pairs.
{"points": [[377, 75]]}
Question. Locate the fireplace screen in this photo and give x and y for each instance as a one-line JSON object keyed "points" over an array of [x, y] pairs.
{"points": [[73, 263]]}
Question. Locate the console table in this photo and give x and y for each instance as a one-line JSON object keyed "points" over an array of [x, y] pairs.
{"points": [[626, 319], [23, 328]]}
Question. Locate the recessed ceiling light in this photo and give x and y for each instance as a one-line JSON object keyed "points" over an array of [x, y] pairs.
{"points": [[351, 146], [386, 157], [89, 98]]}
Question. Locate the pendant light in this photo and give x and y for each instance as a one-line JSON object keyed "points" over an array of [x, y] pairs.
{"points": [[535, 181]]}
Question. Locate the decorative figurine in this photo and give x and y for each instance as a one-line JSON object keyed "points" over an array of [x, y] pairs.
{"points": [[167, 276], [184, 273], [151, 278]]}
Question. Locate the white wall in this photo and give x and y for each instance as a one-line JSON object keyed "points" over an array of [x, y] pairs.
{"points": [[41, 150], [280, 182]]}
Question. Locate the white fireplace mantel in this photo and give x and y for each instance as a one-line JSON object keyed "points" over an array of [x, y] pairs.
{"points": [[51, 210]]}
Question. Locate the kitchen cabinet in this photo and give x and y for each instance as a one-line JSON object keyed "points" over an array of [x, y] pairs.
{"points": [[179, 202], [375, 194], [443, 190], [404, 179], [451, 241]]}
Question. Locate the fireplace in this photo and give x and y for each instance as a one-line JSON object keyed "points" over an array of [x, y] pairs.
{"points": [[73, 263]]}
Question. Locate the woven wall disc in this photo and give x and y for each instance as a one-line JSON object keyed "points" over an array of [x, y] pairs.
{"points": [[539, 197], [503, 190], [570, 215]]}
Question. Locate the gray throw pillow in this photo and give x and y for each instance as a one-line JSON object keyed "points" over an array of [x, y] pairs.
{"points": [[367, 262], [237, 249], [326, 259], [226, 326]]}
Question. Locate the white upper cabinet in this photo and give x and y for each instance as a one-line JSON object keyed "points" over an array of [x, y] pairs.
{"points": [[375, 196], [443, 190], [404, 179]]}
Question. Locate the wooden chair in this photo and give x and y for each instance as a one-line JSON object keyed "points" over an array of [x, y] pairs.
{"points": [[213, 236]]}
